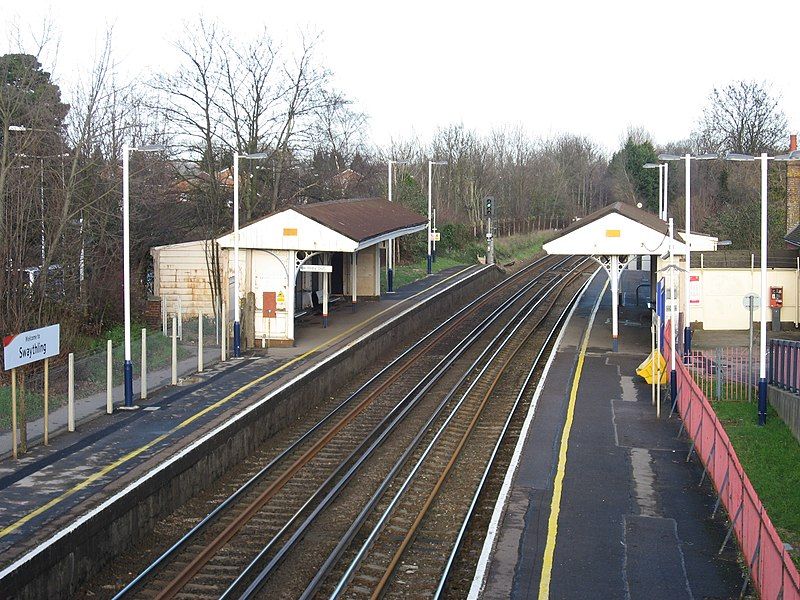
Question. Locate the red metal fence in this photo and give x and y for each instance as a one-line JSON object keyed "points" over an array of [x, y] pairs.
{"points": [[771, 568]]}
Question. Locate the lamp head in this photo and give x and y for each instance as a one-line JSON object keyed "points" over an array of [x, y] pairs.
{"points": [[738, 157], [651, 166], [150, 148], [669, 157], [793, 155], [255, 155], [17, 128]]}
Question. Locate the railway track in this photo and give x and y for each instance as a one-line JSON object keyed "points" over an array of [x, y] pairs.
{"points": [[324, 515]]}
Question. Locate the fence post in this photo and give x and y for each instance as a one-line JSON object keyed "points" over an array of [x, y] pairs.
{"points": [[174, 351], [71, 392], [223, 334], [199, 341], [109, 379], [164, 317], [180, 319], [143, 380], [718, 352]]}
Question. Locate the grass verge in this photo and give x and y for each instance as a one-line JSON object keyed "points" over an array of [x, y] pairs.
{"points": [[770, 456]]}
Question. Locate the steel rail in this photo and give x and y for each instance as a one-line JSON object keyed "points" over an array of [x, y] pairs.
{"points": [[368, 543], [246, 515], [267, 571], [500, 440], [211, 516]]}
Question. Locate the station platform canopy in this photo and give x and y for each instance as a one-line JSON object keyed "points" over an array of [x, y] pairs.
{"points": [[305, 253], [337, 226], [617, 234]]}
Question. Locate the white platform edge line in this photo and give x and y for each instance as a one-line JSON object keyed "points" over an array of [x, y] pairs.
{"points": [[32, 553], [482, 569]]}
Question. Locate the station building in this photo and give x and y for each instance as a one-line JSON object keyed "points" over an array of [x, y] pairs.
{"points": [[299, 255]]}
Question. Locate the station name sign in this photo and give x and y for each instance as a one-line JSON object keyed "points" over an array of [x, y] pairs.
{"points": [[30, 346], [316, 268]]}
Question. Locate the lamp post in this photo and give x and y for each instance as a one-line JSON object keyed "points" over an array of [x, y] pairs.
{"points": [[390, 252], [687, 330], [430, 194], [237, 328], [126, 266], [762, 359]]}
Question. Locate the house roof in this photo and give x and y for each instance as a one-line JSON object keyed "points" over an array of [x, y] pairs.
{"points": [[363, 218], [793, 237]]}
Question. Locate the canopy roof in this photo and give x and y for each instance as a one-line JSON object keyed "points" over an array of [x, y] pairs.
{"points": [[621, 229], [336, 226]]}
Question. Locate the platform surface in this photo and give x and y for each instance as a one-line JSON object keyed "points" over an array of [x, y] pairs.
{"points": [[632, 520], [49, 486]]}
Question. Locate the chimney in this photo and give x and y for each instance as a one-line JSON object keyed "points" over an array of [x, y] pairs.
{"points": [[792, 189]]}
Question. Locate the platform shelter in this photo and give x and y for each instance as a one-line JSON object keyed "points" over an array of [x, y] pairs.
{"points": [[307, 252], [615, 236]]}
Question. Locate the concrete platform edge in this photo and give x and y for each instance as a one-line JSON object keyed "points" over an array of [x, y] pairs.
{"points": [[57, 567]]}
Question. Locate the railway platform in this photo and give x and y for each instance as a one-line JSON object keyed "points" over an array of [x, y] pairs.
{"points": [[600, 501], [52, 488]]}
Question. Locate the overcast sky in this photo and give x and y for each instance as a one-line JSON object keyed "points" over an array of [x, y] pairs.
{"points": [[590, 68]]}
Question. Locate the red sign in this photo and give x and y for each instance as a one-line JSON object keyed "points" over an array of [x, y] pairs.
{"points": [[270, 305]]}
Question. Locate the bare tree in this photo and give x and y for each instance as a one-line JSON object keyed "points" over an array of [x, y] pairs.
{"points": [[742, 117]]}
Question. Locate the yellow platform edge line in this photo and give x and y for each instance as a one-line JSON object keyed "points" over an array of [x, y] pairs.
{"points": [[134, 453], [558, 483]]}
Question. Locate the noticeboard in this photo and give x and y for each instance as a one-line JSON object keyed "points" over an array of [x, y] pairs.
{"points": [[30, 346]]}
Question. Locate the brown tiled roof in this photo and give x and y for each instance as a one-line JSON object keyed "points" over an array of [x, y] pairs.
{"points": [[363, 218], [647, 219]]}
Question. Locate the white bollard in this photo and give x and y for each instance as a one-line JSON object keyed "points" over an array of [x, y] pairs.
{"points": [[200, 341], [223, 340], [144, 365], [109, 380], [174, 351], [71, 393]]}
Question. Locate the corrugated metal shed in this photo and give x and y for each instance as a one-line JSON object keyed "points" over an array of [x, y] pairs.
{"points": [[181, 271]]}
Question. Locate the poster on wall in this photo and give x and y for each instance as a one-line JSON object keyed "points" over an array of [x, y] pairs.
{"points": [[694, 289]]}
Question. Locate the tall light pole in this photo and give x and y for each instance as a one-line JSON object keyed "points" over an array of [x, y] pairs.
{"points": [[126, 266], [762, 359], [430, 196], [390, 252], [687, 330], [237, 328]]}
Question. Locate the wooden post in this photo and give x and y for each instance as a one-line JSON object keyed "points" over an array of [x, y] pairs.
{"points": [[14, 413], [22, 414], [174, 351], [71, 392], [200, 341], [109, 378], [46, 401], [143, 380]]}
